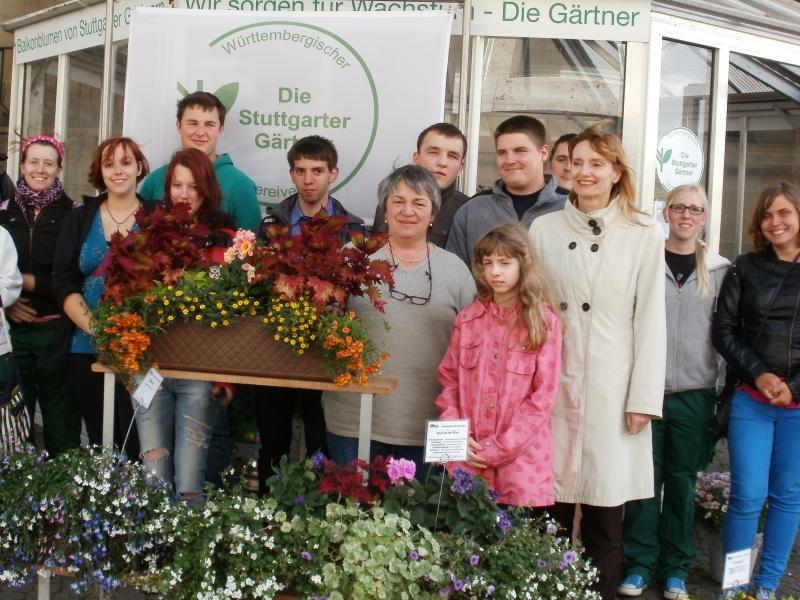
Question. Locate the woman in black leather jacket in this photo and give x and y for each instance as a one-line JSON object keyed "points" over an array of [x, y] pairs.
{"points": [[756, 330]]}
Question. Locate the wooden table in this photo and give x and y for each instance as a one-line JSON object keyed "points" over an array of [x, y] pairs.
{"points": [[377, 385]]}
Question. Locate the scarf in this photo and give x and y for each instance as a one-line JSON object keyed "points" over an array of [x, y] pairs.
{"points": [[28, 198]]}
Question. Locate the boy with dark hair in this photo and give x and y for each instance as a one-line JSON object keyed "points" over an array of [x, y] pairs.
{"points": [[201, 121], [313, 168], [559, 160], [441, 149], [522, 193]]}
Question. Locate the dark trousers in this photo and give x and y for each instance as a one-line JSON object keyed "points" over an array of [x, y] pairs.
{"points": [[88, 388], [601, 534], [274, 408], [659, 535], [45, 379]]}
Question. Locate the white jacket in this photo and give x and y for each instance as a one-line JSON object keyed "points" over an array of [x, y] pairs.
{"points": [[608, 283], [10, 279]]}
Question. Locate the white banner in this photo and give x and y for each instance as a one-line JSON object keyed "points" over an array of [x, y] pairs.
{"points": [[368, 82]]}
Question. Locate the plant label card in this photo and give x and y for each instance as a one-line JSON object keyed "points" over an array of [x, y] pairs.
{"points": [[146, 390], [446, 441], [737, 569]]}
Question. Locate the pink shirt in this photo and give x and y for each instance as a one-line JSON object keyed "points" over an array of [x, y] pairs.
{"points": [[507, 394]]}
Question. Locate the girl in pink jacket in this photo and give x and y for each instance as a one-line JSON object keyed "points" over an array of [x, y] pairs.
{"points": [[501, 370]]}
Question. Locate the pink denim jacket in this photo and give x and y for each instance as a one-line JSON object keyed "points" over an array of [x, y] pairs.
{"points": [[507, 394]]}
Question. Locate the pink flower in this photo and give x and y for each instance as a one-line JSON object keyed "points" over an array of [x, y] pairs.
{"points": [[251, 271], [399, 469], [243, 243]]}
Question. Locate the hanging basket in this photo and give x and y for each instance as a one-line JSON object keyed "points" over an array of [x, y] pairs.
{"points": [[242, 348]]}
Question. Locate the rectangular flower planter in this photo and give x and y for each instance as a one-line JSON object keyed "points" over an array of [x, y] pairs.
{"points": [[244, 347]]}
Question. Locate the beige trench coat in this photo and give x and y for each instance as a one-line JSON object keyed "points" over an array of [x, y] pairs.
{"points": [[608, 284]]}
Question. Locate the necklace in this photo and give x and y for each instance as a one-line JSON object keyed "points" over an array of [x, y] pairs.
{"points": [[125, 220], [407, 260]]}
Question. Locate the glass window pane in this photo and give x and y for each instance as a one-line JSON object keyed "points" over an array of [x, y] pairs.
{"points": [[85, 81], [567, 84], [117, 107], [761, 141], [38, 111], [684, 101]]}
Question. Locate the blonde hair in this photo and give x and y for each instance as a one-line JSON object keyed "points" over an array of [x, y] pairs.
{"points": [[700, 248], [534, 291], [609, 146]]}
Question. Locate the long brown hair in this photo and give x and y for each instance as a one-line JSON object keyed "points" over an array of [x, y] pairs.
{"points": [[700, 248], [609, 146], [204, 178], [534, 290], [765, 200]]}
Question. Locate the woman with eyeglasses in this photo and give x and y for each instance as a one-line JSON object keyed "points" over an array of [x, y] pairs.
{"points": [[659, 534], [430, 286], [604, 258], [757, 330]]}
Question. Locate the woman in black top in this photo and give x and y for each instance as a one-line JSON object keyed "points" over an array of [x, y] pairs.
{"points": [[34, 217]]}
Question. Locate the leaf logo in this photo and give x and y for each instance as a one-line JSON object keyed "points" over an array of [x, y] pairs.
{"points": [[227, 93], [662, 156]]}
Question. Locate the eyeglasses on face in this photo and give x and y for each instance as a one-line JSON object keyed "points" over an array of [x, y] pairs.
{"points": [[679, 209]]}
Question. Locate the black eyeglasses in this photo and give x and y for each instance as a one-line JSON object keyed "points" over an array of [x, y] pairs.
{"points": [[418, 300], [679, 209]]}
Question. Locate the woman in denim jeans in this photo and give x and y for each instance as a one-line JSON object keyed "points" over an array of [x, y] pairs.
{"points": [[175, 429], [757, 330]]}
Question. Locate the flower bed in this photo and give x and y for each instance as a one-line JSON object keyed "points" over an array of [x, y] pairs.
{"points": [[358, 532]]}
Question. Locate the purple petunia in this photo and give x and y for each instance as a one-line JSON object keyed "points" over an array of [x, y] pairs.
{"points": [[299, 500], [305, 555], [413, 555], [570, 556], [317, 460], [503, 521], [473, 560], [444, 592]]}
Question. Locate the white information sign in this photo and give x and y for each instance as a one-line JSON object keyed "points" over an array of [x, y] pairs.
{"points": [[737, 569], [446, 441], [146, 390], [679, 158], [352, 78]]}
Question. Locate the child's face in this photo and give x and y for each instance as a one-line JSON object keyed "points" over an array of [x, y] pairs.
{"points": [[502, 275]]}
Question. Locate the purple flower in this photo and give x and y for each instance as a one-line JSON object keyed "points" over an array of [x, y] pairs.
{"points": [[552, 528], [413, 555], [444, 592], [463, 482], [489, 591], [318, 460], [495, 496], [457, 585], [503, 521], [541, 563], [299, 500], [570, 556], [399, 469], [473, 560], [305, 555]]}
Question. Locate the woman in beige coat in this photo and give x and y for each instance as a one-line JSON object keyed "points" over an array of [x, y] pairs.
{"points": [[605, 259]]}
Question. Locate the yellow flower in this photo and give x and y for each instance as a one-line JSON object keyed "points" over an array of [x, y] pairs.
{"points": [[198, 317], [225, 322]]}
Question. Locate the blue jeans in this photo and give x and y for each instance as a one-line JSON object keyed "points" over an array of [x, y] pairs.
{"points": [[174, 433], [764, 446]]}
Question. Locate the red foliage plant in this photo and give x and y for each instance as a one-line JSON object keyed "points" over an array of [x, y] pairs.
{"points": [[361, 482], [161, 248], [315, 263]]}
